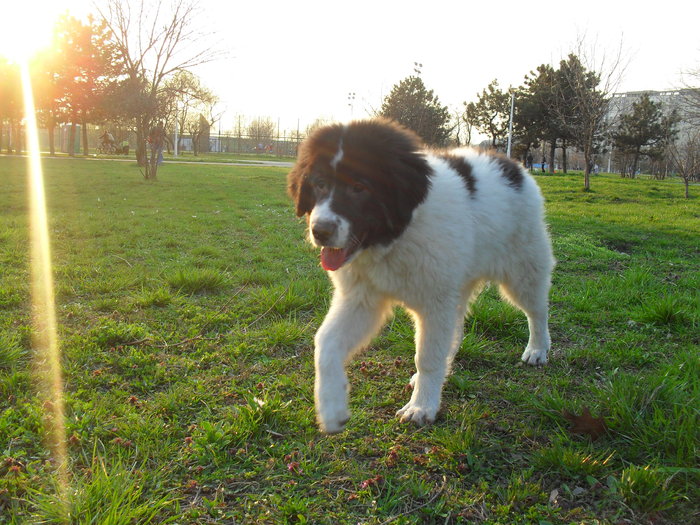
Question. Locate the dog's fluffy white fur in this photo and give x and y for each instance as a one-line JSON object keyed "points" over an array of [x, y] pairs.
{"points": [[480, 219]]}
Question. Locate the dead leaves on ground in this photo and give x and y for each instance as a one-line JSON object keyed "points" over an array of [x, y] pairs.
{"points": [[586, 424]]}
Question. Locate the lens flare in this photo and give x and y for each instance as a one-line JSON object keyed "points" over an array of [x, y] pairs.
{"points": [[45, 338]]}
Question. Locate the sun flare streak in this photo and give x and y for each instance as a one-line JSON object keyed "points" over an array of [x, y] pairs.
{"points": [[45, 338]]}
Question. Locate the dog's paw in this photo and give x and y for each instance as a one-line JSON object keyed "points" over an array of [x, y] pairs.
{"points": [[415, 414], [535, 356], [333, 423]]}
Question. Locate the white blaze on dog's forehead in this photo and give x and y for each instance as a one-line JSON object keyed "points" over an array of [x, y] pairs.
{"points": [[338, 156]]}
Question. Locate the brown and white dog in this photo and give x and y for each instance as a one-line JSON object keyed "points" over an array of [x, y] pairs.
{"points": [[399, 225]]}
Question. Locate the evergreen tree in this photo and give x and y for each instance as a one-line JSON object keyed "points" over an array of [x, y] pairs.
{"points": [[532, 120], [85, 65], [491, 112], [644, 130], [411, 104]]}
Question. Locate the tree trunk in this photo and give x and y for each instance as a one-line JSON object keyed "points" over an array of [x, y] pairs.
{"points": [[563, 157], [635, 162], [71, 140], [686, 181], [544, 158], [552, 152], [588, 160], [152, 164], [141, 159], [195, 143], [52, 138], [84, 134]]}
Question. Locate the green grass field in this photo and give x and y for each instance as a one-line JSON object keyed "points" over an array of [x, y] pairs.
{"points": [[186, 312]]}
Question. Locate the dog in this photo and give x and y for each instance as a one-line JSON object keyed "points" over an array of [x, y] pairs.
{"points": [[397, 224]]}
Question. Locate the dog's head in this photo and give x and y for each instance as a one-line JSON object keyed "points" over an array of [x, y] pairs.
{"points": [[358, 185]]}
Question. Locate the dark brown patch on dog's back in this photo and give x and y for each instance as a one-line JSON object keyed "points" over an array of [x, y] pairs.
{"points": [[511, 171], [463, 168]]}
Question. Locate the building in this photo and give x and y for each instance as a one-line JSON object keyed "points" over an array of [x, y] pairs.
{"points": [[671, 100]]}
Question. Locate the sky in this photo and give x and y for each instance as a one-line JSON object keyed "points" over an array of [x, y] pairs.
{"points": [[295, 61]]}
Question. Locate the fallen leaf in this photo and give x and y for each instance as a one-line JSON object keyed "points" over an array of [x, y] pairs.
{"points": [[586, 424], [371, 482], [294, 467]]}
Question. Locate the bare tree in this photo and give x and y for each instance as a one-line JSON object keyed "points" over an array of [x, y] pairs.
{"points": [[187, 100], [320, 122], [198, 127], [465, 123], [585, 82], [262, 130], [155, 40], [691, 96], [685, 157]]}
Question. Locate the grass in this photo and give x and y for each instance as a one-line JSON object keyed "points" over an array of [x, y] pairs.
{"points": [[187, 310]]}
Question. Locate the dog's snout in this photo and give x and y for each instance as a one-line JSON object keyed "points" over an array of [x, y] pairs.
{"points": [[323, 231]]}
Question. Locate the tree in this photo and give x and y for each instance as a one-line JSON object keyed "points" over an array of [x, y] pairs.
{"points": [[189, 105], [491, 113], [47, 93], [10, 104], [644, 130], [411, 104], [691, 96], [316, 124], [685, 157], [83, 65], [154, 44], [199, 127], [262, 130], [465, 122], [582, 92], [532, 120]]}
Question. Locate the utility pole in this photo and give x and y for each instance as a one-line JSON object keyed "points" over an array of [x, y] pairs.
{"points": [[175, 141], [510, 124]]}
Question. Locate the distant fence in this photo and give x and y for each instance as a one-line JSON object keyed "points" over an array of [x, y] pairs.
{"points": [[283, 145]]}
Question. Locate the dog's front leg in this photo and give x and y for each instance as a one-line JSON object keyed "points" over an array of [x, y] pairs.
{"points": [[351, 323], [438, 335]]}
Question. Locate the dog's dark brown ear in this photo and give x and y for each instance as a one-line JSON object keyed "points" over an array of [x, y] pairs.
{"points": [[300, 191]]}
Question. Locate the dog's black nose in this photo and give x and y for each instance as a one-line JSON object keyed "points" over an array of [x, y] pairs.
{"points": [[323, 231]]}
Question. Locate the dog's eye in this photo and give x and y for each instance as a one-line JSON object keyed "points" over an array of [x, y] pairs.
{"points": [[358, 188], [320, 184]]}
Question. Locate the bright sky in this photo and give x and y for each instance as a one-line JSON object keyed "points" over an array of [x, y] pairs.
{"points": [[298, 60]]}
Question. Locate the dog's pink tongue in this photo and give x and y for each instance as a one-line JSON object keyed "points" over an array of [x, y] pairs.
{"points": [[332, 258]]}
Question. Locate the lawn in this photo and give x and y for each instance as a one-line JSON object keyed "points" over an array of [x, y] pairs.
{"points": [[187, 309]]}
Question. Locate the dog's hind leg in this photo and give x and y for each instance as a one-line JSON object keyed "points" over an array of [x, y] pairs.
{"points": [[530, 293], [351, 322]]}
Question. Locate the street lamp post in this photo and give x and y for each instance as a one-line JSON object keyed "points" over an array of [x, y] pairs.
{"points": [[351, 103], [175, 141], [510, 124]]}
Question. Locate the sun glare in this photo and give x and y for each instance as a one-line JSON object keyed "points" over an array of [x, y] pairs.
{"points": [[25, 28], [47, 357]]}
